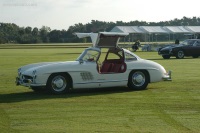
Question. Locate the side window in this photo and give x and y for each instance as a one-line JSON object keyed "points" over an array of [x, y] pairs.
{"points": [[198, 43], [191, 42], [130, 57], [112, 56], [115, 55]]}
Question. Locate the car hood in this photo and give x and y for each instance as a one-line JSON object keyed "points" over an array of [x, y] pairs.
{"points": [[48, 67]]}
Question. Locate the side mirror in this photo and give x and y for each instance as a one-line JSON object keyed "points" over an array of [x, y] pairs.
{"points": [[81, 61]]}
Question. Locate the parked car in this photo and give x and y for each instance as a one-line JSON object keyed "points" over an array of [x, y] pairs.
{"points": [[189, 47], [94, 68]]}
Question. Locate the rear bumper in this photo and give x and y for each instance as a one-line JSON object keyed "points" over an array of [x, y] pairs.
{"points": [[168, 76]]}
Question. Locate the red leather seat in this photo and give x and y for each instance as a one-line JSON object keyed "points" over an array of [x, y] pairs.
{"points": [[106, 67]]}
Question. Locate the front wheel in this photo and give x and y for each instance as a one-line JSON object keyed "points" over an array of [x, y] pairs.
{"points": [[180, 54], [58, 83], [138, 80]]}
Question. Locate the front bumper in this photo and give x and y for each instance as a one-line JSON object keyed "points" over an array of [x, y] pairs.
{"points": [[168, 76], [27, 83], [165, 52]]}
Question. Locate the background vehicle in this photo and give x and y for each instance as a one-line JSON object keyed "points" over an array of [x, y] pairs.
{"points": [[189, 47]]}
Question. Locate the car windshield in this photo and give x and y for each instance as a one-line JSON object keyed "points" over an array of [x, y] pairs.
{"points": [[188, 42], [89, 55]]}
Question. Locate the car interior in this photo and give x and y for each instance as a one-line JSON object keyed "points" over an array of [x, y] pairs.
{"points": [[113, 62]]}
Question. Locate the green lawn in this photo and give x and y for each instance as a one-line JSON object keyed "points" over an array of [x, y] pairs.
{"points": [[163, 107]]}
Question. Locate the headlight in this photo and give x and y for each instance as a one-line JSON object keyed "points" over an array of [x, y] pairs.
{"points": [[34, 73], [19, 72]]}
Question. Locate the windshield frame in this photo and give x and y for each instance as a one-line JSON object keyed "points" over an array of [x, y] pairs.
{"points": [[86, 51]]}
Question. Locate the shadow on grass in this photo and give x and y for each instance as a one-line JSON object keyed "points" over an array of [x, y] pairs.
{"points": [[174, 58], [163, 59], [31, 95]]}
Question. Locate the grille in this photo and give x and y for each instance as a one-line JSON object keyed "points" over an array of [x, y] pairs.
{"points": [[86, 76], [27, 77], [164, 52]]}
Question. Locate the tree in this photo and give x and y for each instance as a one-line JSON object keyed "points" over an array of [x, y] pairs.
{"points": [[21, 31], [63, 36], [8, 33], [96, 26], [11, 33], [35, 34], [35, 31], [44, 31], [55, 36], [28, 30]]}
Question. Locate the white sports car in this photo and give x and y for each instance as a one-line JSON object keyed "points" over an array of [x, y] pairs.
{"points": [[94, 68]]}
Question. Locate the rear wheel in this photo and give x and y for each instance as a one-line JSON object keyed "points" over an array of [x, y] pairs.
{"points": [[166, 56], [58, 83], [138, 80], [180, 54]]}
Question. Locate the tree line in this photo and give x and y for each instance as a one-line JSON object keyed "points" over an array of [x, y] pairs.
{"points": [[11, 33]]}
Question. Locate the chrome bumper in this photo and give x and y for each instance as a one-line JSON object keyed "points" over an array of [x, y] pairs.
{"points": [[27, 83], [168, 76]]}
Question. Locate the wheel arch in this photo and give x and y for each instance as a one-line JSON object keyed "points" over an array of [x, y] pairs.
{"points": [[179, 49]]}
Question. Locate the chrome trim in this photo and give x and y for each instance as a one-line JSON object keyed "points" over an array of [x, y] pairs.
{"points": [[28, 84], [101, 82], [168, 76], [37, 85]]}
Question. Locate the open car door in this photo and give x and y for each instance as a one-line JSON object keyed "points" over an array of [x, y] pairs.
{"points": [[109, 39], [108, 73], [103, 39]]}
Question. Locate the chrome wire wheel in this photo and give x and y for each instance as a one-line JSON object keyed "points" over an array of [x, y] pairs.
{"points": [[138, 79], [58, 83]]}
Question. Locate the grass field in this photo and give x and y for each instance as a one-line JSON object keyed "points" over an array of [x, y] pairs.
{"points": [[164, 107]]}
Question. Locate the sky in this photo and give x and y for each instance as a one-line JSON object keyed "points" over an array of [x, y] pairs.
{"points": [[60, 14]]}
